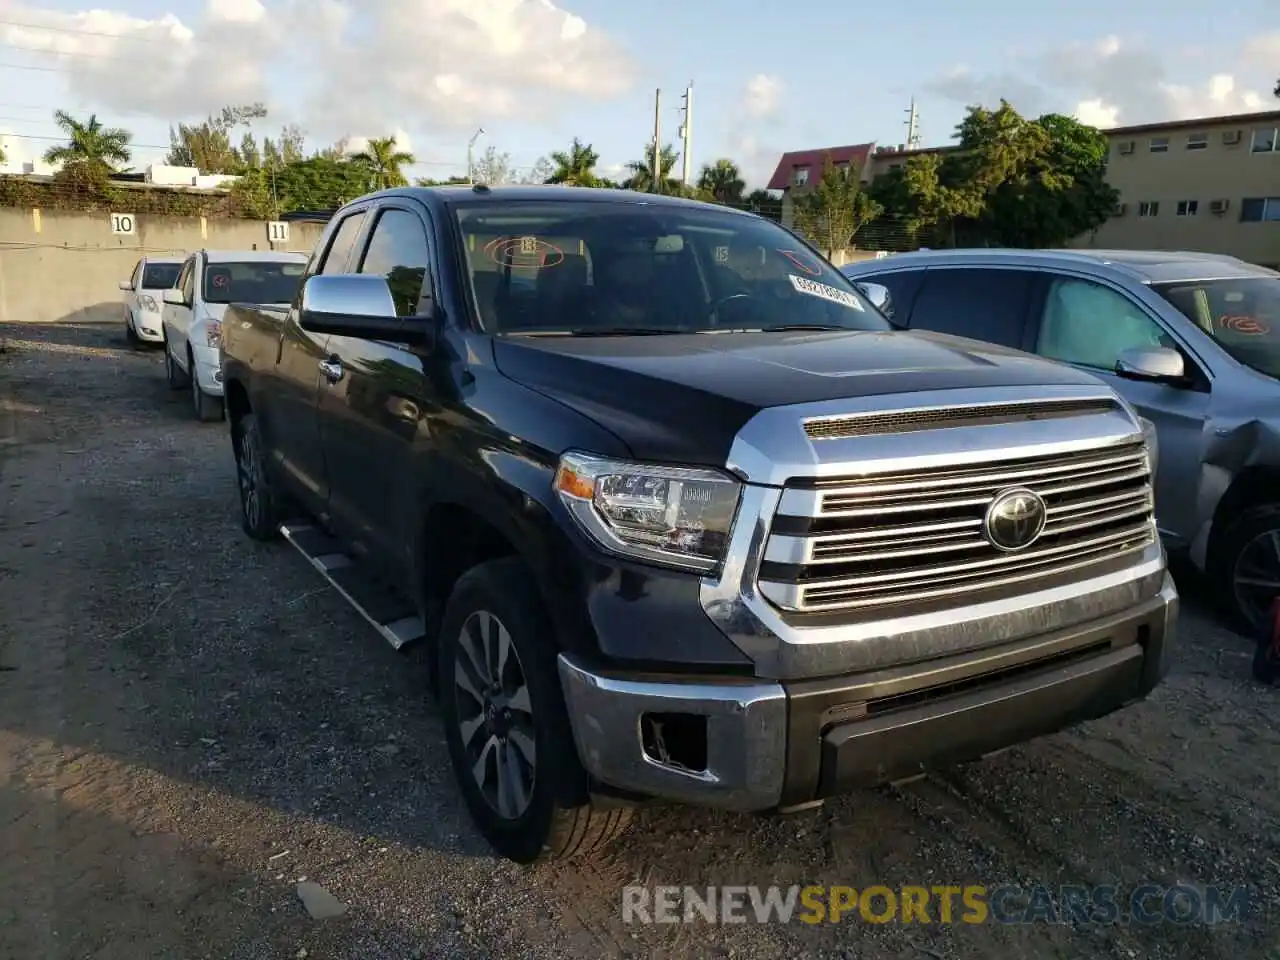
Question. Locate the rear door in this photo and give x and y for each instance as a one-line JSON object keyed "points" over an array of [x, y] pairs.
{"points": [[983, 303], [1087, 323], [293, 427], [372, 417]]}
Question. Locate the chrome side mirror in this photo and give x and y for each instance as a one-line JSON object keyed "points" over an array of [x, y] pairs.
{"points": [[126, 285], [879, 296], [1159, 364], [347, 295], [174, 296]]}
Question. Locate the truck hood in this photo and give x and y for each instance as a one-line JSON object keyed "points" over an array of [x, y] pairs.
{"points": [[683, 398]]}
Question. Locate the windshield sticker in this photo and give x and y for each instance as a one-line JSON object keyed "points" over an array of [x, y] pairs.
{"points": [[722, 254], [1246, 326], [803, 262], [524, 252], [815, 289], [221, 279]]}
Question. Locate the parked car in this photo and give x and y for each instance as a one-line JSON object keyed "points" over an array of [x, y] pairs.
{"points": [[673, 512], [144, 297], [1191, 340], [210, 280]]}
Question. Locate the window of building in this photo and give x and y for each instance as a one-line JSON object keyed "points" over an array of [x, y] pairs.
{"points": [[1198, 141], [801, 176], [1259, 209], [1188, 208], [1265, 140], [1159, 145], [1149, 208]]}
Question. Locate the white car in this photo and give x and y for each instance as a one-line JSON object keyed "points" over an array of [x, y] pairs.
{"points": [[192, 319], [144, 296]]}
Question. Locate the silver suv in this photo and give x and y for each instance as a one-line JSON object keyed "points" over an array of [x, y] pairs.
{"points": [[1192, 340]]}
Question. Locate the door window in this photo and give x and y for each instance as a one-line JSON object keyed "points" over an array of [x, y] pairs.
{"points": [[983, 304], [902, 286], [189, 282], [398, 250], [1088, 324], [344, 240], [137, 274], [183, 276]]}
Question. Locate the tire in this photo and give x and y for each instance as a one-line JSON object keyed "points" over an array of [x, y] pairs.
{"points": [[207, 409], [260, 504], [1248, 547], [559, 819], [173, 373]]}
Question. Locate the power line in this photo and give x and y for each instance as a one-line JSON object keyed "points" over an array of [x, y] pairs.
{"points": [[67, 53], [77, 31]]}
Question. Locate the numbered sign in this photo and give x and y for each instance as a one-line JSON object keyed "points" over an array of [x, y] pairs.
{"points": [[123, 224], [722, 254], [278, 231]]}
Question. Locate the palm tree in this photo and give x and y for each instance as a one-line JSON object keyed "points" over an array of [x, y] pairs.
{"points": [[576, 166], [642, 174], [723, 181], [90, 143], [384, 160]]}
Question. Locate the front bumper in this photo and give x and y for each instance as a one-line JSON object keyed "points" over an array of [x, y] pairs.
{"points": [[147, 326], [765, 744], [208, 369]]}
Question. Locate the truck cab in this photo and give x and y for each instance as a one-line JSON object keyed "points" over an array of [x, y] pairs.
{"points": [[674, 512]]}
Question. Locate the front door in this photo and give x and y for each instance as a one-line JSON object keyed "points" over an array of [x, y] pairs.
{"points": [[1089, 324], [293, 432], [374, 413], [176, 318]]}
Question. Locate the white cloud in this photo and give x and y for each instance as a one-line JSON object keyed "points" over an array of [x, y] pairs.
{"points": [[763, 95], [355, 66], [1113, 81], [359, 144]]}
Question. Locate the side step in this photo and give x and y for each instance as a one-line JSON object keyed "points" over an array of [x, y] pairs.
{"points": [[390, 614]]}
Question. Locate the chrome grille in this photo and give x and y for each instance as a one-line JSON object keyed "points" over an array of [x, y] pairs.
{"points": [[894, 539]]}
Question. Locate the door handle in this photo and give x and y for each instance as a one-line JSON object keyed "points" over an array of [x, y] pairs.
{"points": [[332, 370]]}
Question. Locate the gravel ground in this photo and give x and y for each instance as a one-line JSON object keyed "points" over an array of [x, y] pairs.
{"points": [[190, 724]]}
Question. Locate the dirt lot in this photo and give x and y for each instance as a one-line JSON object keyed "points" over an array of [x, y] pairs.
{"points": [[190, 724]]}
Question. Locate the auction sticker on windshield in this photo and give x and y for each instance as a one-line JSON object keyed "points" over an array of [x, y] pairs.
{"points": [[815, 289]]}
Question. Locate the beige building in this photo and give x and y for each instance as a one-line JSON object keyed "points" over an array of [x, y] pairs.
{"points": [[1210, 184]]}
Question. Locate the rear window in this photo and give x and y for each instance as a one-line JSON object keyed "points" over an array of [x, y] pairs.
{"points": [[265, 281], [160, 276]]}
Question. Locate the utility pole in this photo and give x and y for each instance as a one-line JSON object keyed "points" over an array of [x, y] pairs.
{"points": [[656, 186], [686, 134], [913, 126], [470, 151]]}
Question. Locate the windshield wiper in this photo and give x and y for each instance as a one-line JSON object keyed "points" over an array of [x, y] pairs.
{"points": [[785, 326]]}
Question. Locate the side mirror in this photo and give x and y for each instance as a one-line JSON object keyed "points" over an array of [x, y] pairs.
{"points": [[359, 305], [126, 285], [174, 296], [879, 296], [1158, 364]]}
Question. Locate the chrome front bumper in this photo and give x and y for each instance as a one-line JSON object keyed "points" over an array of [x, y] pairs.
{"points": [[769, 744]]}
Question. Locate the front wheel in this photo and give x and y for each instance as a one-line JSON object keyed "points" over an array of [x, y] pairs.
{"points": [[207, 409], [172, 372], [506, 725], [1246, 565]]}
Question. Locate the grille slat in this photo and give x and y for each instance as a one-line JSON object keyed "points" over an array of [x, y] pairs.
{"points": [[934, 418], [896, 539]]}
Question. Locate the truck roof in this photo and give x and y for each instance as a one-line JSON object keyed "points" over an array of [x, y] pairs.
{"points": [[464, 194]]}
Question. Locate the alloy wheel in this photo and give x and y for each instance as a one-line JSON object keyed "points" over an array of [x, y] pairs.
{"points": [[247, 469], [1256, 577], [495, 714]]}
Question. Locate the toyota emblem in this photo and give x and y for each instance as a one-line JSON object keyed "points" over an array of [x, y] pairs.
{"points": [[1015, 518]]}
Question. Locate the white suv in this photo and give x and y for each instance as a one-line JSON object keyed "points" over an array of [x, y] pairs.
{"points": [[211, 279], [144, 295]]}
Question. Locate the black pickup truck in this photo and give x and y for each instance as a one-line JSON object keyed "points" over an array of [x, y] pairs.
{"points": [[675, 513]]}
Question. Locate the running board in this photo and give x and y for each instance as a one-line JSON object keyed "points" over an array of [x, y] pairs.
{"points": [[389, 613]]}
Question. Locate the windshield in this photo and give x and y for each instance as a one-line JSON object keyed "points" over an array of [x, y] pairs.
{"points": [[263, 281], [1243, 315], [160, 276], [584, 267]]}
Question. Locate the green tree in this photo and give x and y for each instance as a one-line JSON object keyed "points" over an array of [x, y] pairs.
{"points": [[832, 213], [539, 173], [493, 168], [317, 183], [722, 182], [384, 160], [765, 204], [207, 145], [452, 181], [89, 143], [575, 167], [645, 179]]}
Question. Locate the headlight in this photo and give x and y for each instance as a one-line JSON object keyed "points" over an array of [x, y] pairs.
{"points": [[1153, 442], [213, 333], [148, 302], [677, 516]]}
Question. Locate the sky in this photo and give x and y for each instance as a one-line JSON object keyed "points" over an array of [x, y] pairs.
{"points": [[536, 73]]}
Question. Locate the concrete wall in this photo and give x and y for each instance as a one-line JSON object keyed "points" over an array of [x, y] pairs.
{"points": [[57, 266]]}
